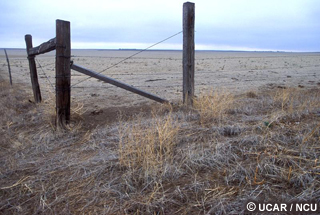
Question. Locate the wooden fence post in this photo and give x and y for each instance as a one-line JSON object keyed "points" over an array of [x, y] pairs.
{"points": [[63, 54], [33, 71], [5, 51], [188, 53]]}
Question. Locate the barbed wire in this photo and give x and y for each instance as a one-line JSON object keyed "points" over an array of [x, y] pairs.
{"points": [[45, 75], [43, 66], [121, 61]]}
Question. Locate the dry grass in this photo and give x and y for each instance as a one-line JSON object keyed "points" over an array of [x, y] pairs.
{"points": [[148, 146], [213, 106], [210, 160]]}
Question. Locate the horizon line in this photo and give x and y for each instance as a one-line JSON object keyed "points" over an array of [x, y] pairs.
{"points": [[210, 50]]}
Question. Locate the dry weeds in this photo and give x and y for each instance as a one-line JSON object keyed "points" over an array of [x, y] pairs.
{"points": [[210, 160], [213, 106]]}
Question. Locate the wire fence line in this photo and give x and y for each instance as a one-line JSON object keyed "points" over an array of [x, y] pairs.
{"points": [[46, 65], [263, 73], [39, 65], [53, 88], [136, 58], [121, 61]]}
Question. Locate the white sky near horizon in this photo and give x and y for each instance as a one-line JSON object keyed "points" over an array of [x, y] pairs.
{"points": [[252, 25]]}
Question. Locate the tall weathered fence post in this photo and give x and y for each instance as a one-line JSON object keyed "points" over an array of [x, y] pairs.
{"points": [[33, 70], [5, 51], [63, 54], [188, 53]]}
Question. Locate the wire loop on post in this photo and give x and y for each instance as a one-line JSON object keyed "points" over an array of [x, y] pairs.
{"points": [[63, 56], [63, 89], [62, 76]]}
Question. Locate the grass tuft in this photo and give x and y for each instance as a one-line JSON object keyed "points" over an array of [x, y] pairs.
{"points": [[213, 106], [147, 147]]}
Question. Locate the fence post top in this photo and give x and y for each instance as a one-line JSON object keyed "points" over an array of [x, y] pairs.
{"points": [[186, 3], [60, 20]]}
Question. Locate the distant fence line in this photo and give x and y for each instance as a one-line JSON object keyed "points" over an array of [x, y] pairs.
{"points": [[9, 69]]}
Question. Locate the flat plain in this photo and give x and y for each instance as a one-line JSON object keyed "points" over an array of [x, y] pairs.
{"points": [[253, 134], [160, 72]]}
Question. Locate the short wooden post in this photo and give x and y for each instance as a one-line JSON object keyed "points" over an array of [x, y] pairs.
{"points": [[33, 71], [5, 51], [188, 53], [63, 54]]}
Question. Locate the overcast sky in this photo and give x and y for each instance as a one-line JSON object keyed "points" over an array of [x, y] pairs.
{"points": [[277, 25]]}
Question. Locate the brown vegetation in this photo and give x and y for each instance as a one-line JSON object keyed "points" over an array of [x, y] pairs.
{"points": [[206, 160]]}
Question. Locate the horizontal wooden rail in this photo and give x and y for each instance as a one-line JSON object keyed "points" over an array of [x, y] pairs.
{"points": [[117, 83], [43, 48]]}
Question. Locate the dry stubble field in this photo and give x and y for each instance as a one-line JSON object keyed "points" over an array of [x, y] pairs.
{"points": [[252, 134]]}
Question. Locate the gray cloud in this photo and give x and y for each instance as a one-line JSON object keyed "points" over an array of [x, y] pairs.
{"points": [[261, 25]]}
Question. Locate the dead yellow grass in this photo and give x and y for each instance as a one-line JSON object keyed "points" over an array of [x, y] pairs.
{"points": [[148, 145], [213, 106], [293, 100]]}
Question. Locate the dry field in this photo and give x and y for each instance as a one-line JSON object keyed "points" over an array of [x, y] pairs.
{"points": [[160, 72], [254, 133]]}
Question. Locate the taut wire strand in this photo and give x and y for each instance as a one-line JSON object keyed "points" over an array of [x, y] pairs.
{"points": [[45, 74], [130, 57]]}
